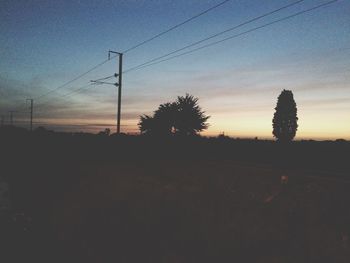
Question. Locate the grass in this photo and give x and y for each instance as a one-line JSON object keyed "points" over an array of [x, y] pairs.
{"points": [[85, 198], [195, 212]]}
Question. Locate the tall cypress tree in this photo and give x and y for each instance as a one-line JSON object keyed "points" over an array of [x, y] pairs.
{"points": [[285, 120]]}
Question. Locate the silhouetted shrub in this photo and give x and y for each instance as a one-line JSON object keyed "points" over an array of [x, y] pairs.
{"points": [[106, 132]]}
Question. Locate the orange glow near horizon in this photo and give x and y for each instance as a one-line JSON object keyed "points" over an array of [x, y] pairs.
{"points": [[323, 110], [237, 81], [311, 125]]}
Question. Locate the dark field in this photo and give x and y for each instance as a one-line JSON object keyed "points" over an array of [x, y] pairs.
{"points": [[130, 199]]}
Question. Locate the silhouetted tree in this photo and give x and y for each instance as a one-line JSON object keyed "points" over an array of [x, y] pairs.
{"points": [[285, 118], [146, 124], [182, 117], [162, 122], [164, 119], [190, 119]]}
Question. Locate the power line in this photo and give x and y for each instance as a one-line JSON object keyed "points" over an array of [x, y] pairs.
{"points": [[84, 87], [105, 78], [72, 80], [67, 83], [147, 64], [214, 43], [131, 48], [76, 90], [217, 34], [69, 94], [197, 42], [176, 26]]}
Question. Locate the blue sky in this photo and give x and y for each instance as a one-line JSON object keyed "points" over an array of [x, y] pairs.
{"points": [[43, 44]]}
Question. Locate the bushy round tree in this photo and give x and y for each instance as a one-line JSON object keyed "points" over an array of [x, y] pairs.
{"points": [[285, 120], [182, 117], [190, 119], [162, 121]]}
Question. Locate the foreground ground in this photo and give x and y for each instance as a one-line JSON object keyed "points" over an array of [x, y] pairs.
{"points": [[152, 209]]}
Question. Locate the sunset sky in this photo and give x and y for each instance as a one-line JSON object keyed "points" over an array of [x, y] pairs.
{"points": [[44, 44]]}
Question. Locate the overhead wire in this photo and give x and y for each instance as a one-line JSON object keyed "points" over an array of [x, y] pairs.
{"points": [[216, 34], [132, 48], [176, 26], [208, 38], [69, 94], [105, 78], [166, 57], [66, 83], [153, 62], [74, 79]]}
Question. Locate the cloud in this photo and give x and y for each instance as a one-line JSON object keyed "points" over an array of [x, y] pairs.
{"points": [[331, 101]]}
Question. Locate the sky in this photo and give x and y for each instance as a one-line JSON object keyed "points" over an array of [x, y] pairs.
{"points": [[44, 44]]}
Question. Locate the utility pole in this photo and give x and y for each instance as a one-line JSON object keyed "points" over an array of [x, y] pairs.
{"points": [[11, 117], [118, 84], [31, 113]]}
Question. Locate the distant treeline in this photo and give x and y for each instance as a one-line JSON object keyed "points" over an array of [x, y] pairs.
{"points": [[44, 145]]}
